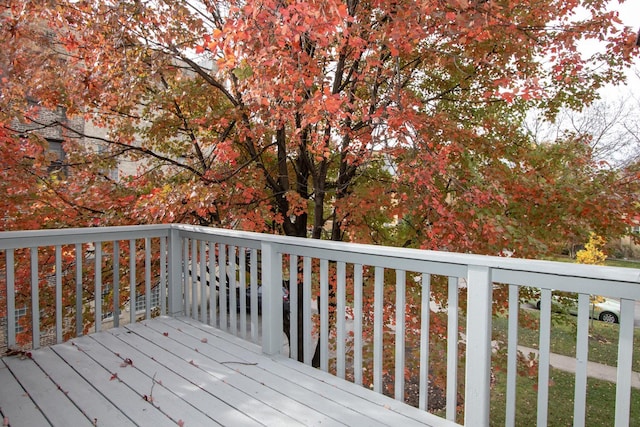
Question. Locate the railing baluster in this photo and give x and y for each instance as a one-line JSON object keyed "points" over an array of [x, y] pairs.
{"points": [[512, 356], [582, 354], [116, 284], [35, 303], [340, 316], [98, 286], [132, 281], [223, 285], [625, 359], [11, 297], [203, 281], [254, 294], [306, 309], [79, 289], [378, 325], [357, 323], [324, 315], [233, 297], [163, 276], [400, 332], [452, 349], [176, 279], [425, 311], [213, 295], [543, 359], [243, 291], [58, 285], [293, 306], [193, 262]]}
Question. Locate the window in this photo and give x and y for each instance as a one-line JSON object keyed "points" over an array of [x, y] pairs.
{"points": [[20, 313], [155, 299], [55, 153]]}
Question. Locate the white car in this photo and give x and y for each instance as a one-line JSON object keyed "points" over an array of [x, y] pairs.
{"points": [[601, 308]]}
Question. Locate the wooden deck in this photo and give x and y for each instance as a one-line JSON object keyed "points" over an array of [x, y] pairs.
{"points": [[177, 371]]}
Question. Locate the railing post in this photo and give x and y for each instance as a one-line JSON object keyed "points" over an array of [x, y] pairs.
{"points": [[271, 299], [176, 304], [478, 365]]}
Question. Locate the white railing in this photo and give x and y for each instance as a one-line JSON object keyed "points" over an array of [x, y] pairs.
{"points": [[373, 311]]}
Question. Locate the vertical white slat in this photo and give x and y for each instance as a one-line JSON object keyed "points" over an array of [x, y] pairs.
{"points": [[253, 277], [306, 310], [223, 285], [452, 349], [293, 306], [378, 324], [341, 337], [324, 315], [203, 281], [132, 281], [425, 312], [357, 323], [512, 355], [193, 262], [79, 289], [400, 332], [233, 289], [186, 274], [582, 354], [116, 284], [625, 358], [163, 276], [271, 299], [35, 303], [147, 278], [58, 251], [176, 280], [213, 293], [243, 292], [544, 356], [478, 367], [98, 286], [11, 297]]}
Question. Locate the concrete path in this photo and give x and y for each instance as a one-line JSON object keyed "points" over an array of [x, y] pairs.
{"points": [[594, 370]]}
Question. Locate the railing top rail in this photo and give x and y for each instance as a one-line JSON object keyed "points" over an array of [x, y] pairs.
{"points": [[66, 236], [630, 275], [33, 238]]}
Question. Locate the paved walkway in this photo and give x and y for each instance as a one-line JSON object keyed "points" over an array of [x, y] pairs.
{"points": [[594, 370]]}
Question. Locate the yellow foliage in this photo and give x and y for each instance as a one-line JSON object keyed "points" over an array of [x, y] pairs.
{"points": [[592, 252]]}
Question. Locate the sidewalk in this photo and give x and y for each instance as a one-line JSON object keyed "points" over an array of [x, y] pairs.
{"points": [[594, 370]]}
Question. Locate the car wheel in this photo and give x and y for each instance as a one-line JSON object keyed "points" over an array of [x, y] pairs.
{"points": [[608, 317], [538, 305]]}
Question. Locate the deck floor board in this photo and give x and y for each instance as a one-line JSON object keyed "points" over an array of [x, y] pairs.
{"points": [[195, 374]]}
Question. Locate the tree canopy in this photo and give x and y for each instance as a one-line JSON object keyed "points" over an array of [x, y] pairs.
{"points": [[326, 119]]}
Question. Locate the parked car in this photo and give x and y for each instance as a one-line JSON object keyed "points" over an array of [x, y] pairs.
{"points": [[601, 308], [285, 299]]}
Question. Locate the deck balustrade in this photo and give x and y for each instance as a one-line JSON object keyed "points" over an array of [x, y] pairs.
{"points": [[370, 309]]}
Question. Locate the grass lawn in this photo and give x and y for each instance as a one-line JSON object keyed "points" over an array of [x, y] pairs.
{"points": [[601, 397], [603, 348], [603, 342]]}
